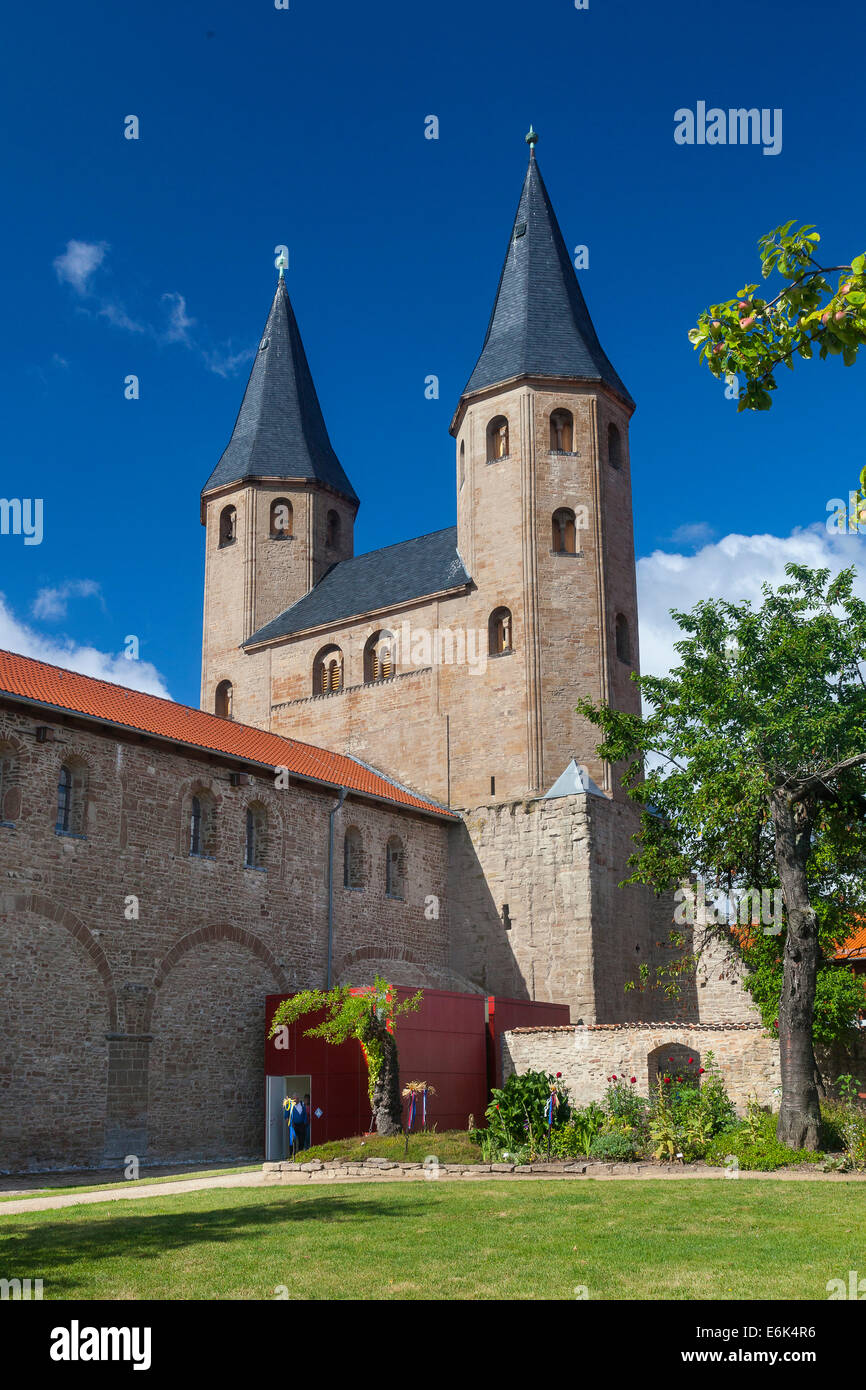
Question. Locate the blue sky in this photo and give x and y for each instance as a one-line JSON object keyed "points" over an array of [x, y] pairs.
{"points": [[306, 127]]}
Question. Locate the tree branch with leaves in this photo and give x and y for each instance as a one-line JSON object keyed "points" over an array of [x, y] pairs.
{"points": [[753, 336]]}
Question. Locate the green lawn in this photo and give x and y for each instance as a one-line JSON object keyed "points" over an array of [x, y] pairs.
{"points": [[126, 1182], [451, 1146], [687, 1239]]}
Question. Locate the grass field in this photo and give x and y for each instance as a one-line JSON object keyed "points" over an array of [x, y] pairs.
{"points": [[481, 1240], [451, 1146], [145, 1181]]}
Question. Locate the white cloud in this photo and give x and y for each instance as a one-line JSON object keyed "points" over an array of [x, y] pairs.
{"points": [[77, 267], [117, 315], [53, 603], [179, 321], [732, 568], [693, 533], [79, 262], [108, 666], [226, 363]]}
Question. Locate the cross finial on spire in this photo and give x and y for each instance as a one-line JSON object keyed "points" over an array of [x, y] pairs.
{"points": [[282, 263], [532, 141]]}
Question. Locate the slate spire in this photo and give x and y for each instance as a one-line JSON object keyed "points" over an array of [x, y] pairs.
{"points": [[540, 325], [280, 430]]}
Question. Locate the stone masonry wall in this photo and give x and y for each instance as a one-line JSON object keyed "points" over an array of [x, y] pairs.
{"points": [[145, 1036], [571, 934], [746, 1055], [587, 1057]]}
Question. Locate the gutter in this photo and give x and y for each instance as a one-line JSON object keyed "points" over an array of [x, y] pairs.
{"points": [[334, 810]]}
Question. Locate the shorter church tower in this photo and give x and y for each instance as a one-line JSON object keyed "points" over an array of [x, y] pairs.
{"points": [[279, 512]]}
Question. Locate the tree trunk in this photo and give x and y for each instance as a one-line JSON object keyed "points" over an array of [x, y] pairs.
{"points": [[800, 1114], [386, 1103]]}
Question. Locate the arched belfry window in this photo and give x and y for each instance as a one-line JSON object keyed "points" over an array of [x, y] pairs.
{"points": [[497, 439], [256, 836], [228, 526], [623, 639], [202, 822], [10, 791], [328, 671], [462, 467], [395, 868], [71, 799], [562, 432], [379, 657], [281, 519], [223, 700], [332, 530], [353, 859], [614, 447], [499, 632], [564, 532]]}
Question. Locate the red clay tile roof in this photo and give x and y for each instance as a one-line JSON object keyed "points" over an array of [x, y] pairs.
{"points": [[855, 946], [150, 714]]}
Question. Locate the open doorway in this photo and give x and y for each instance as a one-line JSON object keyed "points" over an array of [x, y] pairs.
{"points": [[279, 1089]]}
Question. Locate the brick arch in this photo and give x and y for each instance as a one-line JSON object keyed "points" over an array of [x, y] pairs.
{"points": [[41, 906], [206, 936]]}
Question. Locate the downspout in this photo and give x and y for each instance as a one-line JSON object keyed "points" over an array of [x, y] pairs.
{"points": [[343, 792]]}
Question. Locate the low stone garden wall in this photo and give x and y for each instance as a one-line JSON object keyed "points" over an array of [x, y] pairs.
{"points": [[587, 1055]]}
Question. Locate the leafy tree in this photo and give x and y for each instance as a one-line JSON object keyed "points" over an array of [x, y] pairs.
{"points": [[367, 1017], [758, 742], [752, 336]]}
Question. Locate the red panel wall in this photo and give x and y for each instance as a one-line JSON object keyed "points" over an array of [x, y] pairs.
{"points": [[517, 1013], [448, 1043]]}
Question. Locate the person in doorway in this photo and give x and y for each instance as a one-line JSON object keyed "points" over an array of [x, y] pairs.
{"points": [[308, 1121], [294, 1109]]}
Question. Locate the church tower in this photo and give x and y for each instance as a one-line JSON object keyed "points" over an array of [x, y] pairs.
{"points": [[278, 510], [544, 514]]}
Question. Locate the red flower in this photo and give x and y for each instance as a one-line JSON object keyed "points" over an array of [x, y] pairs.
{"points": [[670, 1059], [613, 1078], [667, 1081], [633, 1080], [558, 1075], [700, 1071], [691, 1059]]}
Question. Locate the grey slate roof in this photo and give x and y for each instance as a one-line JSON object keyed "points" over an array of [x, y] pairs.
{"points": [[540, 325], [397, 574], [280, 430]]}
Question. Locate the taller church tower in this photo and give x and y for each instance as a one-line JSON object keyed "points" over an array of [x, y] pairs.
{"points": [[279, 513], [544, 510]]}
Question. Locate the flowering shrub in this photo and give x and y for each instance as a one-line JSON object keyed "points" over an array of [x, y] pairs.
{"points": [[517, 1114], [688, 1110], [575, 1137], [622, 1102]]}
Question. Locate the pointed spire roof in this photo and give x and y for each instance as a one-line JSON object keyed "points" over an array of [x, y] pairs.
{"points": [[540, 325], [280, 430], [574, 781]]}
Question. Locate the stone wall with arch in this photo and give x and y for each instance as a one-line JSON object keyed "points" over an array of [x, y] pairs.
{"points": [[206, 1074], [59, 1008]]}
